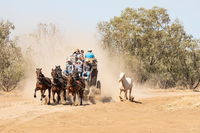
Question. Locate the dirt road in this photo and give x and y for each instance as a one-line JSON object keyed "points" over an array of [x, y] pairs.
{"points": [[163, 112]]}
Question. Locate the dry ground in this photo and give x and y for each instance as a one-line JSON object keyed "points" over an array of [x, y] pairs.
{"points": [[164, 112]]}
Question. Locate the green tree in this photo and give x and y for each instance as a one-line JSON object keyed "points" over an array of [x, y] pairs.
{"points": [[11, 60]]}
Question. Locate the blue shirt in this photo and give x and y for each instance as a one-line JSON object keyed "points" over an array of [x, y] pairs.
{"points": [[89, 55]]}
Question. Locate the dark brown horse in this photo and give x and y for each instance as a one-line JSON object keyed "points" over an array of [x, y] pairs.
{"points": [[75, 87], [43, 83], [56, 86], [61, 80]]}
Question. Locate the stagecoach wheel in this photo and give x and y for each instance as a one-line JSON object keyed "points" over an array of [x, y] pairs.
{"points": [[94, 80], [98, 86]]}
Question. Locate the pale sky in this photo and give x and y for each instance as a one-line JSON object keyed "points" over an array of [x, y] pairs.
{"points": [[83, 15]]}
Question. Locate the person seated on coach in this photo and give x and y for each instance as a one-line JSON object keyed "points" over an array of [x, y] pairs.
{"points": [[82, 58], [76, 53], [87, 70], [79, 67], [89, 56], [69, 68]]}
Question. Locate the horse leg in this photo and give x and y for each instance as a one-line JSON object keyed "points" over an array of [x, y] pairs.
{"points": [[130, 94], [41, 95], [64, 94], [126, 95], [35, 92], [58, 97], [81, 97], [49, 90], [74, 98], [44, 93], [120, 95], [90, 93], [53, 94]]}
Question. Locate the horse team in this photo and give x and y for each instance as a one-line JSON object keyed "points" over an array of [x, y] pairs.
{"points": [[59, 83], [71, 85]]}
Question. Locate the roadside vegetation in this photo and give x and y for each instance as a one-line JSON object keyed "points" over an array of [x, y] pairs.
{"points": [[154, 48], [11, 60]]}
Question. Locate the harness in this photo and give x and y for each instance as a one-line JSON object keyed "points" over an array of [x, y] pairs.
{"points": [[74, 83], [42, 80]]}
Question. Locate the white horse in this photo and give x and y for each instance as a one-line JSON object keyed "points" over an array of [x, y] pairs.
{"points": [[125, 85]]}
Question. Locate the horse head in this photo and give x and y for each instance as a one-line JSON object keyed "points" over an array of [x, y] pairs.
{"points": [[38, 72], [70, 81], [122, 75], [53, 73], [58, 70]]}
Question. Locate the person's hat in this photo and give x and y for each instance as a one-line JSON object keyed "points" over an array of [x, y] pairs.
{"points": [[89, 50], [68, 59]]}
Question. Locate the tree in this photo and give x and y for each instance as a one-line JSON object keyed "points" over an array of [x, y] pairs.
{"points": [[11, 60]]}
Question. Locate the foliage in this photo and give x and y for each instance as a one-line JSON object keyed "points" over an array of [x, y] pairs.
{"points": [[163, 49], [11, 60]]}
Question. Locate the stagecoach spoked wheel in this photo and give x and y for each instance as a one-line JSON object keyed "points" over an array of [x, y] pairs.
{"points": [[98, 84], [98, 88]]}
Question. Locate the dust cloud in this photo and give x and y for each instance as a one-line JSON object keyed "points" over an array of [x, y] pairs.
{"points": [[47, 46]]}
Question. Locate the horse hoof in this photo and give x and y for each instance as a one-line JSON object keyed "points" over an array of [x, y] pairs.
{"points": [[54, 101], [121, 99], [34, 96], [131, 99], [74, 104]]}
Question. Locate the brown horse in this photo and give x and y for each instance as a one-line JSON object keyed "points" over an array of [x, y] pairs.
{"points": [[61, 80], [43, 83], [56, 86], [75, 87]]}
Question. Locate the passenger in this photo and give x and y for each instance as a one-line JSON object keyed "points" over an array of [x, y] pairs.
{"points": [[69, 68], [76, 53], [79, 67], [94, 64], [89, 56], [82, 56], [87, 70]]}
